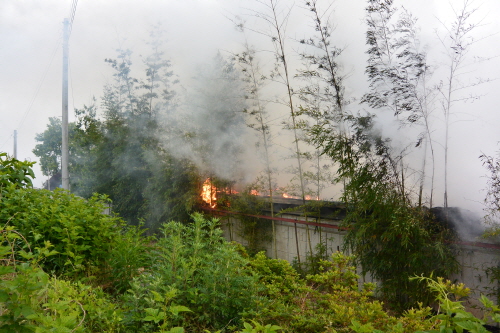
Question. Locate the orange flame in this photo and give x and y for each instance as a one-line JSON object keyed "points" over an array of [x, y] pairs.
{"points": [[209, 193], [254, 192], [307, 197]]}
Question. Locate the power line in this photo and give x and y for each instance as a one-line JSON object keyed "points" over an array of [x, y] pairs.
{"points": [[71, 79], [42, 80], [72, 14], [6, 141]]}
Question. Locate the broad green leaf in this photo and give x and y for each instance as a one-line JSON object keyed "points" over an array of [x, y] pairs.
{"points": [[176, 330], [178, 308], [4, 296], [6, 270], [157, 296]]}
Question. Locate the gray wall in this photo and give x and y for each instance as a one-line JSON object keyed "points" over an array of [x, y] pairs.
{"points": [[474, 258]]}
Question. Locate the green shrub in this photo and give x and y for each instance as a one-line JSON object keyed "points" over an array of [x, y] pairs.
{"points": [[325, 302], [32, 301], [128, 257], [79, 231], [14, 173], [208, 274]]}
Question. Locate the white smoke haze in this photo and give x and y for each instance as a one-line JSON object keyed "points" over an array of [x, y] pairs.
{"points": [[196, 30], [215, 135]]}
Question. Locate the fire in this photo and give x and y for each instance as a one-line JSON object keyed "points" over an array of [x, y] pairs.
{"points": [[307, 197], [209, 193], [254, 192], [288, 196]]}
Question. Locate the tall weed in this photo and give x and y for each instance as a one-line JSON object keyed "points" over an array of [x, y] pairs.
{"points": [[209, 275]]}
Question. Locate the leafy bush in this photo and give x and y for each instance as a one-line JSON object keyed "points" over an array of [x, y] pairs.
{"points": [[129, 255], [79, 231], [32, 301], [200, 271], [392, 237], [451, 315], [14, 173], [325, 302], [85, 241], [188, 276]]}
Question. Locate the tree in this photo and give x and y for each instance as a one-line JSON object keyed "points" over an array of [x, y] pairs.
{"points": [[385, 231], [397, 70], [133, 166], [324, 64], [258, 119], [83, 135], [124, 154], [50, 151], [492, 199], [324, 93], [457, 43], [282, 73]]}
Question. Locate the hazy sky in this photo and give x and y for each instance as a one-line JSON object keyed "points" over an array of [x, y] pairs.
{"points": [[31, 53]]}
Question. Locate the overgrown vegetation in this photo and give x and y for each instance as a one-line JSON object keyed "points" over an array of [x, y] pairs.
{"points": [[492, 216], [188, 278], [121, 151], [492, 200], [147, 156], [386, 231]]}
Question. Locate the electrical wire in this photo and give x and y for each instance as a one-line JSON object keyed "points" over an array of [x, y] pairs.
{"points": [[6, 141], [71, 85], [70, 28], [42, 80], [40, 83], [72, 14]]}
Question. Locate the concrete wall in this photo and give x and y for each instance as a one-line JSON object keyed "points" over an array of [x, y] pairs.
{"points": [[286, 243], [474, 258], [475, 261]]}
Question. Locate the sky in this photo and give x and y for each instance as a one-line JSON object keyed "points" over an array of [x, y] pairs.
{"points": [[31, 61]]}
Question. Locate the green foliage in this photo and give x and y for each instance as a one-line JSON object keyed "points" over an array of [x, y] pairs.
{"points": [[451, 316], [162, 311], [386, 232], [49, 150], [312, 262], [280, 279], [325, 302], [31, 301], [255, 327], [188, 277], [128, 257], [14, 173], [492, 200], [493, 275], [200, 271], [77, 229], [254, 231], [128, 154]]}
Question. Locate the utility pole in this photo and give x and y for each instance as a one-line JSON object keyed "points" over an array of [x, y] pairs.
{"points": [[65, 146], [15, 144]]}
